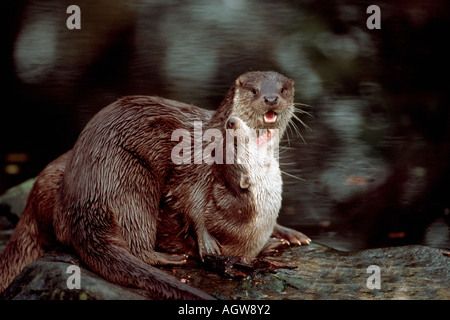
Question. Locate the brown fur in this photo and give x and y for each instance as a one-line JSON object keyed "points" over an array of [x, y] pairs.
{"points": [[110, 199], [234, 205], [34, 231], [245, 100]]}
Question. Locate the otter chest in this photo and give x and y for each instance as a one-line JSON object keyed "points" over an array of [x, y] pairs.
{"points": [[265, 189]]}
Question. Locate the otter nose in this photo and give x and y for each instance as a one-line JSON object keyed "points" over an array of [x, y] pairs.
{"points": [[231, 123], [271, 100]]}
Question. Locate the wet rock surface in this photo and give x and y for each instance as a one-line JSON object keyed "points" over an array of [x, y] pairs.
{"points": [[12, 203], [306, 272], [313, 272], [47, 279]]}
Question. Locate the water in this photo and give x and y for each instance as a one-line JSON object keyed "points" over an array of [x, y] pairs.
{"points": [[375, 164]]}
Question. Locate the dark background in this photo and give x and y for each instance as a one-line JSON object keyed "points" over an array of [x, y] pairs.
{"points": [[376, 162]]}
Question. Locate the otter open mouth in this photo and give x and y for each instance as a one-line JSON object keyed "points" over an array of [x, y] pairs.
{"points": [[270, 117], [264, 136]]}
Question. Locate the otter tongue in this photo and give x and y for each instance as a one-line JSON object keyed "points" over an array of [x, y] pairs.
{"points": [[264, 138], [270, 117]]}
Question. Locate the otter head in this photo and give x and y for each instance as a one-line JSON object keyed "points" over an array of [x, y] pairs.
{"points": [[246, 152], [264, 100]]}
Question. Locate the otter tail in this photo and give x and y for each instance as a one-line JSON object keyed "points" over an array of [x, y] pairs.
{"points": [[23, 248], [34, 230], [118, 265], [107, 254]]}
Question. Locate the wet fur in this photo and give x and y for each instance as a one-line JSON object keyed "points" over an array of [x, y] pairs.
{"points": [[34, 231], [106, 196], [239, 216]]}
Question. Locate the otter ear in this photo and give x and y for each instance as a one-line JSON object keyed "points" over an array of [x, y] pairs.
{"points": [[244, 182], [238, 82]]}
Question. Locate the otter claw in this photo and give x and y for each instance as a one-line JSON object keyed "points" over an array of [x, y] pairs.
{"points": [[295, 237], [208, 245]]}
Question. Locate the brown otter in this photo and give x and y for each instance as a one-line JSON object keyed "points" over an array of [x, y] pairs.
{"points": [[34, 231], [108, 203], [232, 207]]}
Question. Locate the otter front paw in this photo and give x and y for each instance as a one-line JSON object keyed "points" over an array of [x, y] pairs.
{"points": [[273, 244], [166, 259], [208, 245], [290, 235]]}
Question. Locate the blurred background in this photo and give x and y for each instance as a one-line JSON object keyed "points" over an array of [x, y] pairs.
{"points": [[374, 168]]}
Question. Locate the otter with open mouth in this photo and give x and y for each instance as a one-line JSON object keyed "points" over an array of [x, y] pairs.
{"points": [[233, 206], [106, 197], [264, 100]]}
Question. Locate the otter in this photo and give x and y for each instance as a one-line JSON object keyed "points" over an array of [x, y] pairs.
{"points": [[107, 196], [238, 204], [34, 231]]}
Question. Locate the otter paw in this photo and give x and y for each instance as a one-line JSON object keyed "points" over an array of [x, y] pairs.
{"points": [[170, 259], [273, 244], [208, 245], [292, 236]]}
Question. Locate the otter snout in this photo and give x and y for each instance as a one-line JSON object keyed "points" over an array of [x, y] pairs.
{"points": [[231, 123]]}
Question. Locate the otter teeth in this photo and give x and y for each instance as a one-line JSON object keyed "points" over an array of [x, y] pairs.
{"points": [[270, 117]]}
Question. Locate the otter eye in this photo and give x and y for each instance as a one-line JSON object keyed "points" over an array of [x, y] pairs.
{"points": [[255, 91], [282, 90]]}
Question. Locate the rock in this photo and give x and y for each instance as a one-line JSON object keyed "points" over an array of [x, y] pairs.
{"points": [[12, 203], [46, 279], [311, 272], [408, 272], [15, 198]]}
